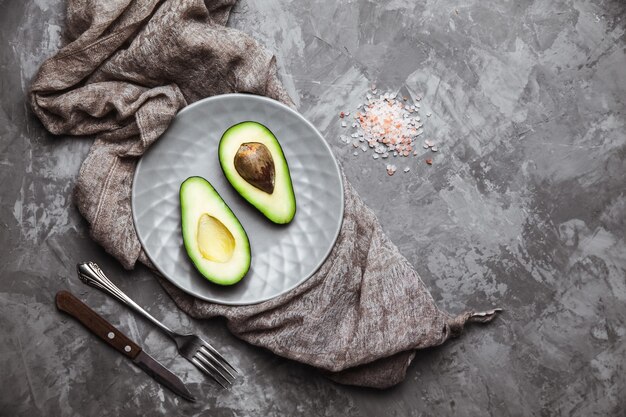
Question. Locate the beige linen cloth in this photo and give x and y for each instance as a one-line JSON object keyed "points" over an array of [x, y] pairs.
{"points": [[129, 67]]}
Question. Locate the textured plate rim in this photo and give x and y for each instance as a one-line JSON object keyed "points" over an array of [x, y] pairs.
{"points": [[338, 226]]}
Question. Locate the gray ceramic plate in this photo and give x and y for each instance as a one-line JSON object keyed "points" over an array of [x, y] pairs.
{"points": [[282, 256]]}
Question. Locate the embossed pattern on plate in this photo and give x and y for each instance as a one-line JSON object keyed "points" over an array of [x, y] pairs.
{"points": [[282, 256]]}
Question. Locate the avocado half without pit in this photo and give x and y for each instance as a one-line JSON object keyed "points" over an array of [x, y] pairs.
{"points": [[254, 164], [214, 239]]}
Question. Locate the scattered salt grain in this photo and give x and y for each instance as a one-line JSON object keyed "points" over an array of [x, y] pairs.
{"points": [[355, 153], [407, 169], [375, 156], [428, 161], [344, 124], [429, 114], [434, 149]]}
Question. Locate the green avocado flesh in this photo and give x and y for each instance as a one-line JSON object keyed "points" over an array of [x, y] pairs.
{"points": [[214, 239], [254, 164]]}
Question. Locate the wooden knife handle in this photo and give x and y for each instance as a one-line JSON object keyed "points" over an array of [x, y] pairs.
{"points": [[71, 305]]}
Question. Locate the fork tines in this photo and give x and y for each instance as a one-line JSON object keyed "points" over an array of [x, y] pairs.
{"points": [[211, 362]]}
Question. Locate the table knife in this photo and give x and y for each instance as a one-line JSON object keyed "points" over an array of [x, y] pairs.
{"points": [[71, 305]]}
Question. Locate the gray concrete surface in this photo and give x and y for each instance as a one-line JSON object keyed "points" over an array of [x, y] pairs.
{"points": [[524, 207]]}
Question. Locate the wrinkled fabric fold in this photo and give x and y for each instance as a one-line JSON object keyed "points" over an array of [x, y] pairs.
{"points": [[130, 66]]}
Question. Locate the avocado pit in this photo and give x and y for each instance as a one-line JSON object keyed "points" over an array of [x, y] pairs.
{"points": [[254, 163]]}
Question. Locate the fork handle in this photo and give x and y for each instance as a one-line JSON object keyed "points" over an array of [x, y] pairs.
{"points": [[91, 274], [71, 305]]}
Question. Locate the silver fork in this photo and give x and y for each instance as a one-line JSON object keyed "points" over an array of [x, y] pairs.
{"points": [[191, 347]]}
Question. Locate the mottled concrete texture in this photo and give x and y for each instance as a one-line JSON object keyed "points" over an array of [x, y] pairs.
{"points": [[523, 208]]}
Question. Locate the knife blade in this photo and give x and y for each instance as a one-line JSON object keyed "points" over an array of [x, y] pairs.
{"points": [[68, 303]]}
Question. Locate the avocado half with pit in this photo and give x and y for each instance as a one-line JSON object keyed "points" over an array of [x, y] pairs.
{"points": [[254, 164], [214, 239]]}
